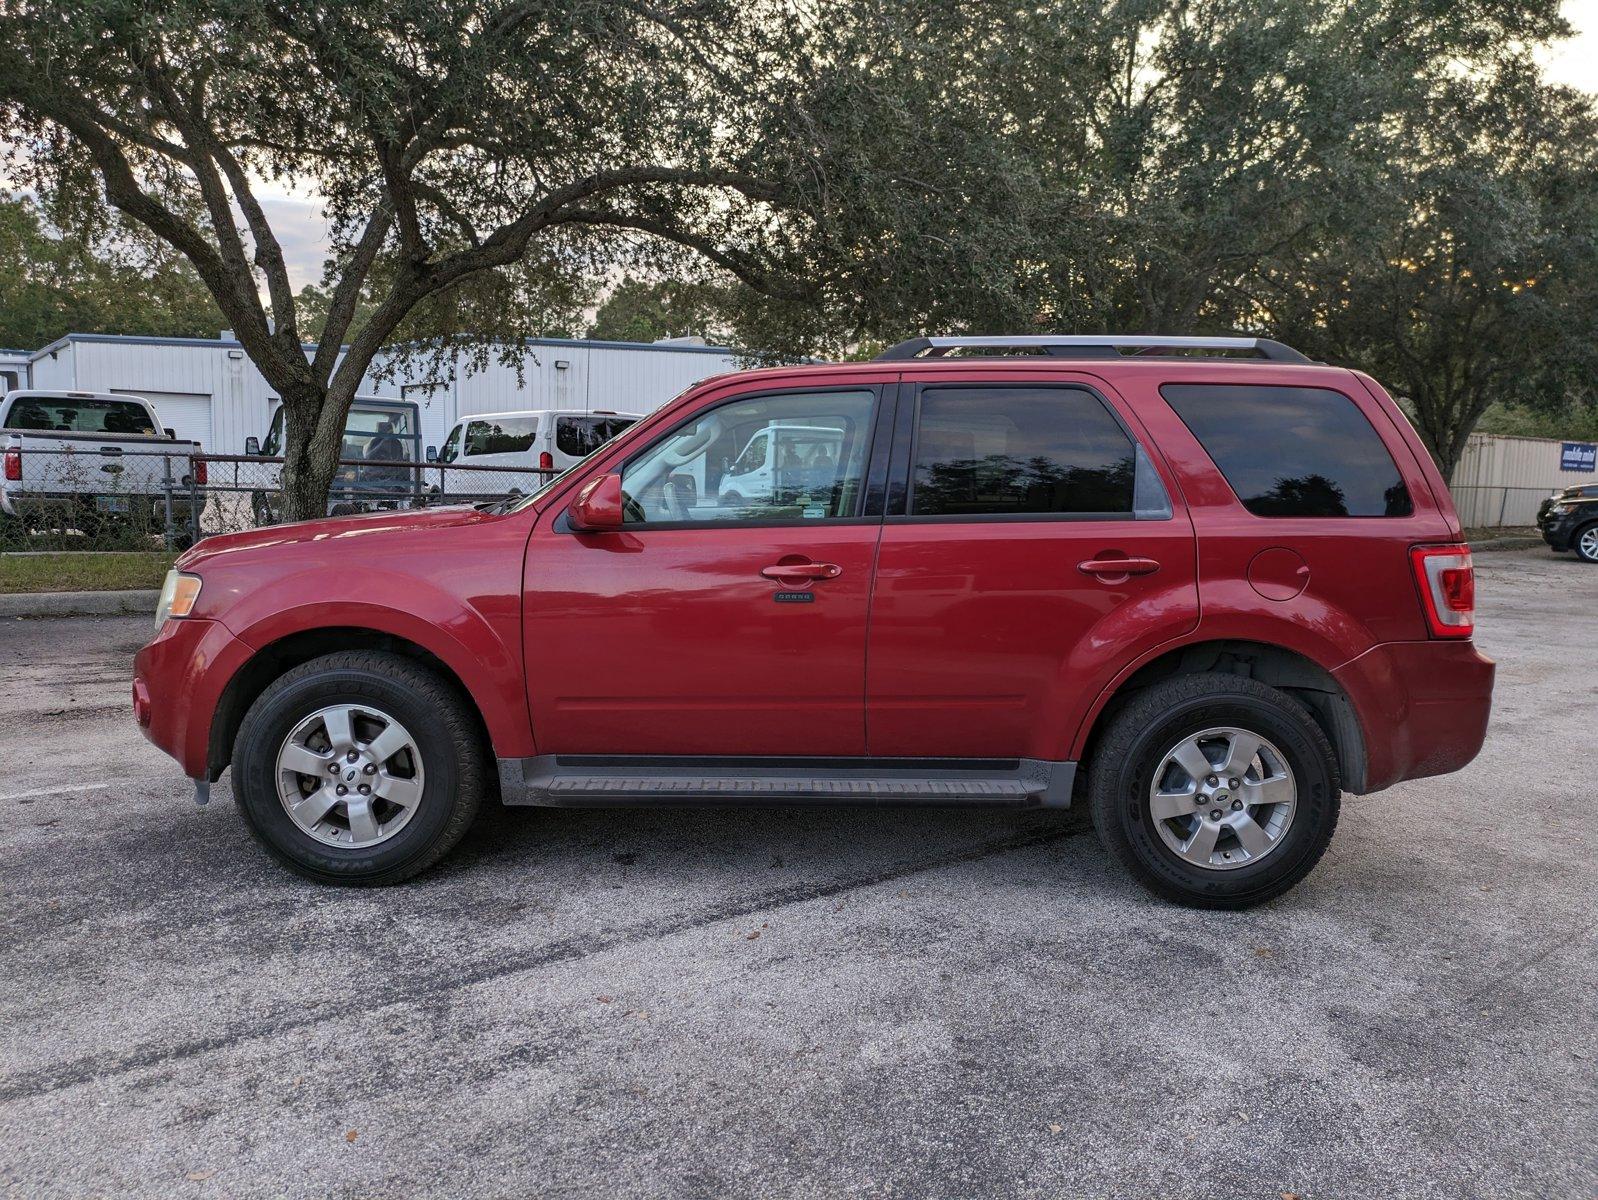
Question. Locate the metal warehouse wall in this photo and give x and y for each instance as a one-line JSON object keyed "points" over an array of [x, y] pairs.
{"points": [[184, 372], [1502, 480], [14, 370]]}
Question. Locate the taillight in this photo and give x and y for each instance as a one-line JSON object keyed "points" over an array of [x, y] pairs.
{"points": [[14, 466], [546, 461], [1447, 589], [200, 475]]}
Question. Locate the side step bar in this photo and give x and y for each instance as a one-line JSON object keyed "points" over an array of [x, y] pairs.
{"points": [[602, 781]]}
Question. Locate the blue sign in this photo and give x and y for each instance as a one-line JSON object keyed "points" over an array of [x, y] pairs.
{"points": [[1579, 456]]}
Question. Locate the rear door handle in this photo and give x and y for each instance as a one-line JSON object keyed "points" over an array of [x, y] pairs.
{"points": [[1118, 566], [791, 574]]}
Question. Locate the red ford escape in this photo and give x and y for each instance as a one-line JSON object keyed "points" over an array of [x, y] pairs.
{"points": [[1202, 584]]}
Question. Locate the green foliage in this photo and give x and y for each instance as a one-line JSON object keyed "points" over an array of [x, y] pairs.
{"points": [[638, 311], [52, 284], [1577, 423]]}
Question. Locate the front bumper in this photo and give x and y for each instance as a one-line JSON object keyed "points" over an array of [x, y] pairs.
{"points": [[178, 682], [1560, 531], [1423, 705]]}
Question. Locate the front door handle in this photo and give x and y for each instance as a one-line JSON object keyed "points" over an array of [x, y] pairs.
{"points": [[1118, 566], [793, 574]]}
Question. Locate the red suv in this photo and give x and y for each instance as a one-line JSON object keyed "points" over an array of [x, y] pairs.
{"points": [[1203, 592]]}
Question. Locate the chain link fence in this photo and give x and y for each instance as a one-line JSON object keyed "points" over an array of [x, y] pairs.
{"points": [[167, 499]]}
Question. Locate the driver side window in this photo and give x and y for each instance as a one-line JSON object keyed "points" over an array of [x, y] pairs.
{"points": [[811, 444]]}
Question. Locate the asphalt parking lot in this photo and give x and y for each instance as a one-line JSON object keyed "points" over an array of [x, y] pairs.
{"points": [[917, 1003]]}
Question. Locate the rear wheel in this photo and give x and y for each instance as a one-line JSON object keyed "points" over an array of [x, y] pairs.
{"points": [[1585, 543], [359, 768], [1215, 791]]}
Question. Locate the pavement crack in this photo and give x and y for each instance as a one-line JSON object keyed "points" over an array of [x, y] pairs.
{"points": [[31, 1084]]}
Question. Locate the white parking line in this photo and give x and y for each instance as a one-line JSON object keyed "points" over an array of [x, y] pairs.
{"points": [[74, 787]]}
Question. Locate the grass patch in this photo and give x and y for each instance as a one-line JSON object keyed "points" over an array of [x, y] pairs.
{"points": [[82, 571]]}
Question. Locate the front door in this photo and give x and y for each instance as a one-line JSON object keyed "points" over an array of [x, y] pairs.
{"points": [[1030, 547], [716, 622]]}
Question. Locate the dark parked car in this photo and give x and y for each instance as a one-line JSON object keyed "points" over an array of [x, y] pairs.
{"points": [[1569, 521]]}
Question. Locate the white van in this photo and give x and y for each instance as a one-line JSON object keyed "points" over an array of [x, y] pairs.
{"points": [[549, 438], [781, 463]]}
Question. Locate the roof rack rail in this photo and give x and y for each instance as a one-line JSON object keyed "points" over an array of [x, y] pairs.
{"points": [[1093, 345]]}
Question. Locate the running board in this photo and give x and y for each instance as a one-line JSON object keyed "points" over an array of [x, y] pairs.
{"points": [[603, 781]]}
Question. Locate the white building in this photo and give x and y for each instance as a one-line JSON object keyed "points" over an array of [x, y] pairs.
{"points": [[13, 370], [207, 388]]}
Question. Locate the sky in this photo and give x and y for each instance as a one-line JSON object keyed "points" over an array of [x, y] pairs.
{"points": [[1575, 61], [297, 217]]}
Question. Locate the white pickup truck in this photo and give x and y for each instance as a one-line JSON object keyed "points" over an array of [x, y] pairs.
{"points": [[92, 460]]}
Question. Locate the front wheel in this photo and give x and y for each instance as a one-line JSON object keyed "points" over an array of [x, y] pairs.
{"points": [[1215, 791], [1585, 543], [359, 768]]}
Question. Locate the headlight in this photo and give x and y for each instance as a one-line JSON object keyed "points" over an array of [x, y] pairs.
{"points": [[178, 595], [1559, 510]]}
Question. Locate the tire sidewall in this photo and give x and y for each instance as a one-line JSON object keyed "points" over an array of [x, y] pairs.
{"points": [[255, 772], [1314, 811]]}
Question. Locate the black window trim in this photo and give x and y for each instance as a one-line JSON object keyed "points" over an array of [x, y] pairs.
{"points": [[1241, 505], [908, 436], [883, 399]]}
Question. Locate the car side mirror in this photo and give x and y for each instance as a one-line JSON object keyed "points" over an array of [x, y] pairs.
{"points": [[252, 445], [598, 507], [432, 454], [171, 434]]}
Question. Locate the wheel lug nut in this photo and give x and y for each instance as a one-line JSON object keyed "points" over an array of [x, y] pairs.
{"points": [[1231, 783], [370, 769], [1237, 806], [333, 767], [1215, 813], [351, 756], [1212, 781], [342, 790], [364, 790]]}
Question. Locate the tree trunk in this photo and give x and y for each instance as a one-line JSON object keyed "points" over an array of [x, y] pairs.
{"points": [[311, 449]]}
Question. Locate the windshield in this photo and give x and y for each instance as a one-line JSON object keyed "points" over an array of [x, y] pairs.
{"points": [[386, 434], [62, 415], [451, 447], [274, 435]]}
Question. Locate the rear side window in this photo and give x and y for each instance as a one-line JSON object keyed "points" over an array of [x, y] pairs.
{"points": [[1293, 451], [990, 451], [508, 435], [80, 416], [581, 436]]}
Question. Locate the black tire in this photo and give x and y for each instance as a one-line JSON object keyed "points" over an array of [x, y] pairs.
{"points": [[446, 734], [1158, 718], [1575, 544]]}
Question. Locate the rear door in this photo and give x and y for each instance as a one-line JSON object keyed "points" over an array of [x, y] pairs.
{"points": [[577, 435], [1033, 543]]}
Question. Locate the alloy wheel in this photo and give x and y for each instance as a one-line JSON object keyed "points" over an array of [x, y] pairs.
{"points": [[350, 775], [1222, 798]]}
